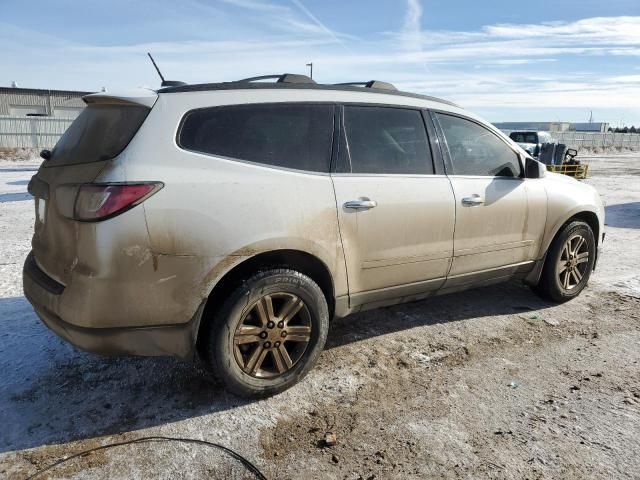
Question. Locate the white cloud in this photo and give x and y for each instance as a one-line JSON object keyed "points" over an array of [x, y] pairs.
{"points": [[626, 79], [318, 23], [599, 35], [282, 17], [609, 30], [519, 61], [517, 66], [411, 29]]}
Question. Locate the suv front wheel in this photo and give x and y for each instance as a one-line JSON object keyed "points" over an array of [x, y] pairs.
{"points": [[569, 263], [268, 334]]}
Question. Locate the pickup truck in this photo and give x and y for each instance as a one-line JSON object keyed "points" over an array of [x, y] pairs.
{"points": [[530, 141]]}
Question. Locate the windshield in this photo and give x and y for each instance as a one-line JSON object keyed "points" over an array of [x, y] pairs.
{"points": [[524, 137], [99, 133]]}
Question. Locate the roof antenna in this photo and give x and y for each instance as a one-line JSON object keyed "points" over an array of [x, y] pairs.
{"points": [[165, 83], [156, 67]]}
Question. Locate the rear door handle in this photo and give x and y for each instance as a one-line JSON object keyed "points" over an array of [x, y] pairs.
{"points": [[363, 203], [473, 200]]}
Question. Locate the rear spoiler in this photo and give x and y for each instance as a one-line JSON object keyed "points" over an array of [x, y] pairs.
{"points": [[136, 96]]}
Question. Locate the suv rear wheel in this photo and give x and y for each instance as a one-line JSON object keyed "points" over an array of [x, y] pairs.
{"points": [[268, 334], [569, 263]]}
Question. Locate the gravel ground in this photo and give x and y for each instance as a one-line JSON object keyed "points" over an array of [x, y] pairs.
{"points": [[488, 383]]}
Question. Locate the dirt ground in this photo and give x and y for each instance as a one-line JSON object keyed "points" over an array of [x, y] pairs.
{"points": [[490, 383]]}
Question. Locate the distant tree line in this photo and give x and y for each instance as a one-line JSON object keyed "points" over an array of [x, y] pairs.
{"points": [[624, 130]]}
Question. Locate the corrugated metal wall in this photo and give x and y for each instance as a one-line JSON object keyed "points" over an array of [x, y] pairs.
{"points": [[580, 140], [47, 99], [31, 132], [554, 126]]}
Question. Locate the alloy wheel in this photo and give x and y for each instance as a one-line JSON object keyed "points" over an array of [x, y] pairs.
{"points": [[273, 335], [573, 262]]}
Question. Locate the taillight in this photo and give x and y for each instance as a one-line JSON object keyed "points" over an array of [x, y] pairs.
{"points": [[96, 201]]}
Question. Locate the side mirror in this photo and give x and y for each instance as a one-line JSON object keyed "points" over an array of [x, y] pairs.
{"points": [[45, 154], [534, 168]]}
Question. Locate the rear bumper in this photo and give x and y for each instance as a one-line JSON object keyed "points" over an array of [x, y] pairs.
{"points": [[44, 293]]}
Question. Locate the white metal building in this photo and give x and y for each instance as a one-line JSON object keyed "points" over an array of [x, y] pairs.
{"points": [[554, 126], [31, 102]]}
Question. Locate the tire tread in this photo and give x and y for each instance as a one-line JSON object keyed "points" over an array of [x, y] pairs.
{"points": [[547, 287], [219, 367]]}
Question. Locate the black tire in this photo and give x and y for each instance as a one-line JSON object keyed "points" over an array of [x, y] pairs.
{"points": [[552, 284], [218, 345]]}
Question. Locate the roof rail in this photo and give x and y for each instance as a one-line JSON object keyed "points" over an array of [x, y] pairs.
{"points": [[282, 78], [371, 84], [301, 82]]}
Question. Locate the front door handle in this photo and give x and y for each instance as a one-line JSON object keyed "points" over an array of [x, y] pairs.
{"points": [[473, 200], [363, 203]]}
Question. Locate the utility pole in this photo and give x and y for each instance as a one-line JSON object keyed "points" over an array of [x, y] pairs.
{"points": [[310, 65]]}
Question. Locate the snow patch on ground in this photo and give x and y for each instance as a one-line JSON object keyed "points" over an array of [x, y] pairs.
{"points": [[55, 399]]}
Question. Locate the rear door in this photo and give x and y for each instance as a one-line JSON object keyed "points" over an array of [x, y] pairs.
{"points": [[492, 238], [396, 215]]}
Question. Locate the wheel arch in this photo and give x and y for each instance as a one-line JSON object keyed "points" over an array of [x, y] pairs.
{"points": [[590, 217], [587, 216], [298, 260]]}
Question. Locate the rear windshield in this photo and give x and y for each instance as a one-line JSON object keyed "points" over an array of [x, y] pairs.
{"points": [[99, 133], [524, 137]]}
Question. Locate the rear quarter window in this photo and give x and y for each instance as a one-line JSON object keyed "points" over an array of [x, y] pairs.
{"points": [[101, 132], [526, 137], [296, 136]]}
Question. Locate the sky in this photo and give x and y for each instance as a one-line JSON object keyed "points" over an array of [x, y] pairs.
{"points": [[507, 61]]}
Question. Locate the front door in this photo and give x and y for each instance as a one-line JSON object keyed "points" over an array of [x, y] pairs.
{"points": [[396, 217], [492, 238]]}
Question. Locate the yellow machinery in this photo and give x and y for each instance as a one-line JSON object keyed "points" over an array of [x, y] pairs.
{"points": [[570, 166], [578, 171]]}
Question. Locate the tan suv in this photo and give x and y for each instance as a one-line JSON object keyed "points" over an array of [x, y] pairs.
{"points": [[237, 219]]}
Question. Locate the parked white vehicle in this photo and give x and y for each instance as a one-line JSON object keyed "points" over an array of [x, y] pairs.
{"points": [[234, 220], [531, 142]]}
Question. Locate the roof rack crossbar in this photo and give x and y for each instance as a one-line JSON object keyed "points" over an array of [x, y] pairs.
{"points": [[282, 78], [261, 77], [371, 84]]}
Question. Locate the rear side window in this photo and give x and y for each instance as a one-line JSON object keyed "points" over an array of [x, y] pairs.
{"points": [[100, 132], [524, 137], [387, 140], [474, 150], [284, 135]]}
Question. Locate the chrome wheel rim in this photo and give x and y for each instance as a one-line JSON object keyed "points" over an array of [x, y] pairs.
{"points": [[573, 262], [272, 336]]}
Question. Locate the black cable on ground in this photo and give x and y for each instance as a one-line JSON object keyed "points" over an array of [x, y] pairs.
{"points": [[246, 463]]}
